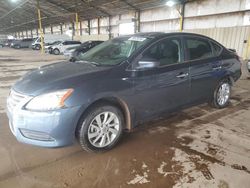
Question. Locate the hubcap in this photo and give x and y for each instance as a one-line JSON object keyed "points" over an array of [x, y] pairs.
{"points": [[223, 94], [103, 129]]}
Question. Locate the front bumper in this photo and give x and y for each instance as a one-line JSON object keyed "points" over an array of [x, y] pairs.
{"points": [[45, 129]]}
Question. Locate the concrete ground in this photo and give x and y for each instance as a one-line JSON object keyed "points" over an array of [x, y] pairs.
{"points": [[197, 147]]}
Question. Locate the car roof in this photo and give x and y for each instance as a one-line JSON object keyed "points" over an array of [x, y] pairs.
{"points": [[71, 41], [162, 34]]}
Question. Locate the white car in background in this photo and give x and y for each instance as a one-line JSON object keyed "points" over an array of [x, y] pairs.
{"points": [[60, 48], [48, 46], [48, 38]]}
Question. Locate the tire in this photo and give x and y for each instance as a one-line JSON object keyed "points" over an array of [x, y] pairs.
{"points": [[56, 51], [96, 137], [37, 47], [222, 94]]}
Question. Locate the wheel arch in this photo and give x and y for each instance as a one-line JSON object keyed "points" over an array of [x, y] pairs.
{"points": [[229, 78], [114, 101], [56, 49]]}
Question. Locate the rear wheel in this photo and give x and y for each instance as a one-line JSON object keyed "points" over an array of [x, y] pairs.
{"points": [[222, 94], [100, 129], [56, 51]]}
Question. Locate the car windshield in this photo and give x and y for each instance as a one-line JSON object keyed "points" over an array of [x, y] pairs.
{"points": [[114, 51]]}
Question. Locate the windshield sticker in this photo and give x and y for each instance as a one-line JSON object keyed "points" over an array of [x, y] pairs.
{"points": [[138, 39]]}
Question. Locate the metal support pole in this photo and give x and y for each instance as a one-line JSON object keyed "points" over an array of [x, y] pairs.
{"points": [[51, 29], [77, 25], [89, 27], [181, 12], [138, 21], [109, 27], [40, 26], [73, 30], [80, 28], [61, 29], [98, 26]]}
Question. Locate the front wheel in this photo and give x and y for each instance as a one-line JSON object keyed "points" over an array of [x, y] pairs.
{"points": [[222, 94], [100, 129], [38, 47], [56, 51]]}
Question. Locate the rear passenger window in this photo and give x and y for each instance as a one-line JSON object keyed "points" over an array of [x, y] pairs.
{"points": [[216, 48], [198, 49]]}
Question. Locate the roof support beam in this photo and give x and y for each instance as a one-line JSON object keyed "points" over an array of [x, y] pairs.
{"points": [[129, 4], [96, 7], [58, 5]]}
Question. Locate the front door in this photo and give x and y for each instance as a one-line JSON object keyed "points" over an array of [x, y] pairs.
{"points": [[165, 87]]}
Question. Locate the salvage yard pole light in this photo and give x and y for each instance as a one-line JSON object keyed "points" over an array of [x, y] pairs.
{"points": [[181, 3], [40, 26]]}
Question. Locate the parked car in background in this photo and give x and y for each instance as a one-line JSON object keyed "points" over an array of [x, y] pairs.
{"points": [[60, 48], [1, 43], [73, 52], [8, 42], [49, 38], [118, 84], [48, 46], [24, 43], [14, 42]]}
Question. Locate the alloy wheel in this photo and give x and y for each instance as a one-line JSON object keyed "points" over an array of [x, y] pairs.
{"points": [[223, 94], [103, 129]]}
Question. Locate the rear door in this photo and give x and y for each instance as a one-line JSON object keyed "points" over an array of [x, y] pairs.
{"points": [[166, 87], [204, 65]]}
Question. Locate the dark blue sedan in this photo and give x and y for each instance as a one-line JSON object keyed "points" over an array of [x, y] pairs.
{"points": [[116, 85]]}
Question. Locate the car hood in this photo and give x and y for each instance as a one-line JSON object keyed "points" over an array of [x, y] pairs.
{"points": [[57, 76]]}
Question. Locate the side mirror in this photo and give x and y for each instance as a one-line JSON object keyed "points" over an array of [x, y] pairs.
{"points": [[147, 64]]}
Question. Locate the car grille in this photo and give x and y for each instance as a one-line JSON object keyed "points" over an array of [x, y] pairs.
{"points": [[14, 99]]}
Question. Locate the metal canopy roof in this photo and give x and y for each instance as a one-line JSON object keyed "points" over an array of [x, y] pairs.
{"points": [[23, 14]]}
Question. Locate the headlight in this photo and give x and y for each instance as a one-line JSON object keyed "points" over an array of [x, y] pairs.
{"points": [[49, 101]]}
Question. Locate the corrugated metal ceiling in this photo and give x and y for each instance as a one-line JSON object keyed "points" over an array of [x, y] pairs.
{"points": [[22, 14]]}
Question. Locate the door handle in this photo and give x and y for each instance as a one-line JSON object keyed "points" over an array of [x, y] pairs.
{"points": [[182, 75], [217, 68]]}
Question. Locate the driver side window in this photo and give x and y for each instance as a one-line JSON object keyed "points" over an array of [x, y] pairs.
{"points": [[166, 52]]}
